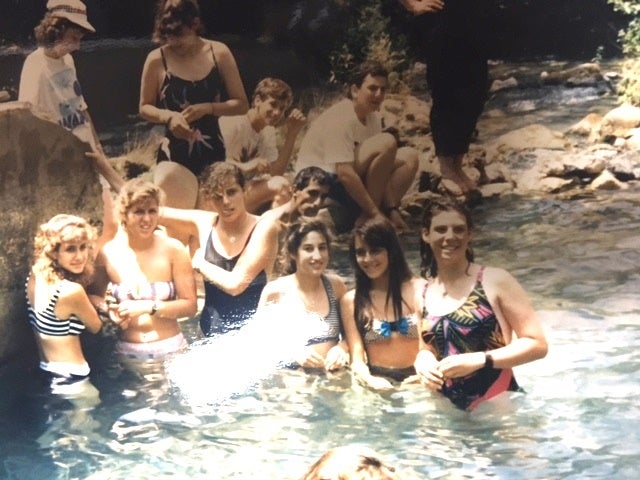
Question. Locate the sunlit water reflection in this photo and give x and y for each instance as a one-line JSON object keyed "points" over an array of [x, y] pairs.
{"points": [[578, 418]]}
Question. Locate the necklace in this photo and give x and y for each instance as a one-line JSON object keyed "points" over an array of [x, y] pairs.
{"points": [[239, 231], [311, 300]]}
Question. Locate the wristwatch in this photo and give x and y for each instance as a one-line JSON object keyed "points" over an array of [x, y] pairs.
{"points": [[488, 360]]}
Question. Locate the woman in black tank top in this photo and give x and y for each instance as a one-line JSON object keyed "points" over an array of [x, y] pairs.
{"points": [[236, 249], [187, 83]]}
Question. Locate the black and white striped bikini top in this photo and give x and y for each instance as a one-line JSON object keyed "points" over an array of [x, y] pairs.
{"points": [[46, 322]]}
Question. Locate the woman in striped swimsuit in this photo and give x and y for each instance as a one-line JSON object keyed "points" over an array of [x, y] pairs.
{"points": [[309, 296], [59, 308]]}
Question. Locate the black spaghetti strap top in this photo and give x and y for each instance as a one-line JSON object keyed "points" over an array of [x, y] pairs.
{"points": [[223, 312], [205, 146]]}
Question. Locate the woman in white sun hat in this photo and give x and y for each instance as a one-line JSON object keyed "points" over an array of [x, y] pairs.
{"points": [[48, 80]]}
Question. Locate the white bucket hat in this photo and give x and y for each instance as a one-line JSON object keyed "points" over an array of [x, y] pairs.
{"points": [[73, 10]]}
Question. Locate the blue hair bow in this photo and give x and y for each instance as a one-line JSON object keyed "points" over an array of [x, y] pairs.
{"points": [[400, 326]]}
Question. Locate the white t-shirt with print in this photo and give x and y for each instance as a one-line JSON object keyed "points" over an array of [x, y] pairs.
{"points": [[242, 143], [51, 86]]}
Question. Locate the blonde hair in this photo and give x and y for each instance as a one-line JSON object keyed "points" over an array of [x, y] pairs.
{"points": [[134, 191], [50, 236], [350, 462]]}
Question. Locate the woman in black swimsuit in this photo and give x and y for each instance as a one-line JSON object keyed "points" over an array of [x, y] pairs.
{"points": [[236, 249], [187, 83]]}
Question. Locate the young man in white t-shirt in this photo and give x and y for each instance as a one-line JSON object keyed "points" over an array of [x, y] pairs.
{"points": [[371, 174], [250, 143]]}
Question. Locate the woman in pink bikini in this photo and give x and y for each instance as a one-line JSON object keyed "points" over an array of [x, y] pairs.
{"points": [[151, 278], [477, 321]]}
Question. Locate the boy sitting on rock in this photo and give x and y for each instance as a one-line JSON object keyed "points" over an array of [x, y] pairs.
{"points": [[250, 143]]}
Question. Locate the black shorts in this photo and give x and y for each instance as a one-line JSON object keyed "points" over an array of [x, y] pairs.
{"points": [[343, 209]]}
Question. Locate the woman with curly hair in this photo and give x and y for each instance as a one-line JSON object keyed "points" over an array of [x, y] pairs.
{"points": [[236, 248], [48, 80], [381, 314], [59, 308], [187, 83]]}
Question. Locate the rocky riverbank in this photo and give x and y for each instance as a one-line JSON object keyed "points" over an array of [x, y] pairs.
{"points": [[600, 151]]}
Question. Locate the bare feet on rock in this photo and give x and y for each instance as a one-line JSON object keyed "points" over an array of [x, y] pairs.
{"points": [[454, 179]]}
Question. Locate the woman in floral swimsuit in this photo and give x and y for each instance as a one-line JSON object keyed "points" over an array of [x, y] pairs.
{"points": [[470, 315], [187, 83]]}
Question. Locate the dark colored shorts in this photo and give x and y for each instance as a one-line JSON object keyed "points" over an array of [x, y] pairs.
{"points": [[344, 210]]}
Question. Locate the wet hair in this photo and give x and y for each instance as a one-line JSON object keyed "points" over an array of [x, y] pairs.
{"points": [[295, 236], [51, 29], [350, 463], [50, 236], [428, 265], [378, 232], [275, 88], [214, 176], [375, 69], [172, 16], [308, 174], [134, 191]]}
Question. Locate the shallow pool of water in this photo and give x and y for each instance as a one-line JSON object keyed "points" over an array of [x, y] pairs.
{"points": [[579, 417]]}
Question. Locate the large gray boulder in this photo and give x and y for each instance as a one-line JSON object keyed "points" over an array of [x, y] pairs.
{"points": [[43, 171]]}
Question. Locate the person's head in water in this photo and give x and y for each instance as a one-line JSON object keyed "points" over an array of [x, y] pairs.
{"points": [[350, 463], [376, 255]]}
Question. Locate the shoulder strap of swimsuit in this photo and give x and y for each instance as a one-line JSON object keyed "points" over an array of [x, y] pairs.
{"points": [[328, 288], [480, 274], [213, 55], [250, 235], [164, 60], [424, 299]]}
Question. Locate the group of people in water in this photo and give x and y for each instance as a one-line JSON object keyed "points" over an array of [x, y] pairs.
{"points": [[222, 209]]}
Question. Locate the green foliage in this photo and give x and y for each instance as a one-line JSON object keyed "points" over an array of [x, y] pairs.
{"points": [[368, 35], [629, 37], [629, 86]]}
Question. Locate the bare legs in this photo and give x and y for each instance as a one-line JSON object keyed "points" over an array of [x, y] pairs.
{"points": [[454, 178], [374, 162], [387, 174]]}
